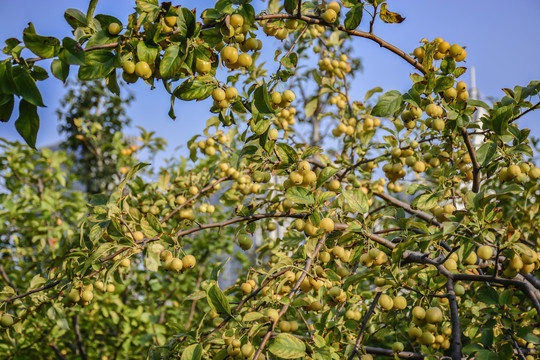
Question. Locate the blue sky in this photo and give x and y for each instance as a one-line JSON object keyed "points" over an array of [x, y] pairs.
{"points": [[501, 39]]}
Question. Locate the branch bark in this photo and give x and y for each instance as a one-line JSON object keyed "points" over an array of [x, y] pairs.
{"points": [[454, 314], [78, 337], [474, 160], [364, 324]]}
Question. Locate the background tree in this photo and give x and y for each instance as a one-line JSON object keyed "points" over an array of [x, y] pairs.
{"points": [[91, 116], [449, 269]]}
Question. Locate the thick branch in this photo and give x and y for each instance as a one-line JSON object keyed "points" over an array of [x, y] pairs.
{"points": [[472, 154], [456, 325], [422, 215]]}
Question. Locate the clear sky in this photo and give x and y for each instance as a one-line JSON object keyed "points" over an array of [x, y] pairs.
{"points": [[501, 39]]}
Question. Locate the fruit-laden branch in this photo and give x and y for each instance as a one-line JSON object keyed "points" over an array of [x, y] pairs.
{"points": [[363, 325], [45, 287], [454, 315], [293, 292], [474, 160], [203, 190], [283, 16], [422, 215], [363, 34]]}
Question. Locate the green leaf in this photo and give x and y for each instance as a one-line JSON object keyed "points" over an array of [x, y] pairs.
{"points": [[60, 69], [290, 6], [354, 17], [478, 103], [252, 316], [370, 93], [186, 22], [287, 346], [388, 16], [6, 106], [150, 7], [300, 195], [28, 122], [171, 62], [442, 83], [42, 46], [388, 104], [99, 64], [486, 152], [71, 52], [311, 106], [75, 18], [287, 153], [154, 223], [488, 295], [130, 174], [217, 300], [194, 90], [326, 174], [147, 53], [261, 100], [357, 200], [27, 88], [192, 352], [97, 231]]}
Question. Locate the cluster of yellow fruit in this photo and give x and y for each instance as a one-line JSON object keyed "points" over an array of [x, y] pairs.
{"points": [[395, 171], [435, 113], [337, 252], [207, 208], [330, 15], [353, 315], [459, 92], [388, 303], [316, 31], [245, 185], [302, 176], [335, 296], [223, 98], [172, 263], [410, 115], [233, 60], [345, 126], [519, 173], [525, 263], [373, 257], [82, 295], [443, 49], [235, 349], [207, 146], [440, 212], [248, 286], [340, 100], [427, 328], [352, 127], [279, 29], [284, 119], [333, 66], [130, 150], [288, 326], [6, 320], [133, 71]]}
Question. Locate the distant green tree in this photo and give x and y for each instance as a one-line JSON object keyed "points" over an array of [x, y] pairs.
{"points": [[91, 116]]}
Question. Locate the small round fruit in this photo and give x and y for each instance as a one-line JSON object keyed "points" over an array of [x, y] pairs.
{"points": [[171, 20], [125, 262], [400, 302], [247, 350], [485, 252], [327, 224], [237, 20], [218, 94], [455, 50], [6, 320], [203, 66], [434, 315], [244, 60], [128, 66], [245, 242], [433, 110], [246, 288], [231, 93], [110, 288], [450, 264], [450, 93], [419, 53], [138, 236], [229, 54], [334, 5], [459, 290], [273, 134], [386, 302], [142, 69], [273, 314], [426, 338], [87, 295], [189, 261], [288, 95], [176, 264], [114, 28], [329, 16], [419, 312], [398, 347], [438, 124]]}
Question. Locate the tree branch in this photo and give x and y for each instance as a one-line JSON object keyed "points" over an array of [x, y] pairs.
{"points": [[364, 324], [472, 154], [78, 337], [53, 284], [454, 314], [7, 279]]}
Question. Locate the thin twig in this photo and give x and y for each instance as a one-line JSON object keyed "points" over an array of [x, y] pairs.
{"points": [[7, 279], [474, 160], [78, 337]]}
